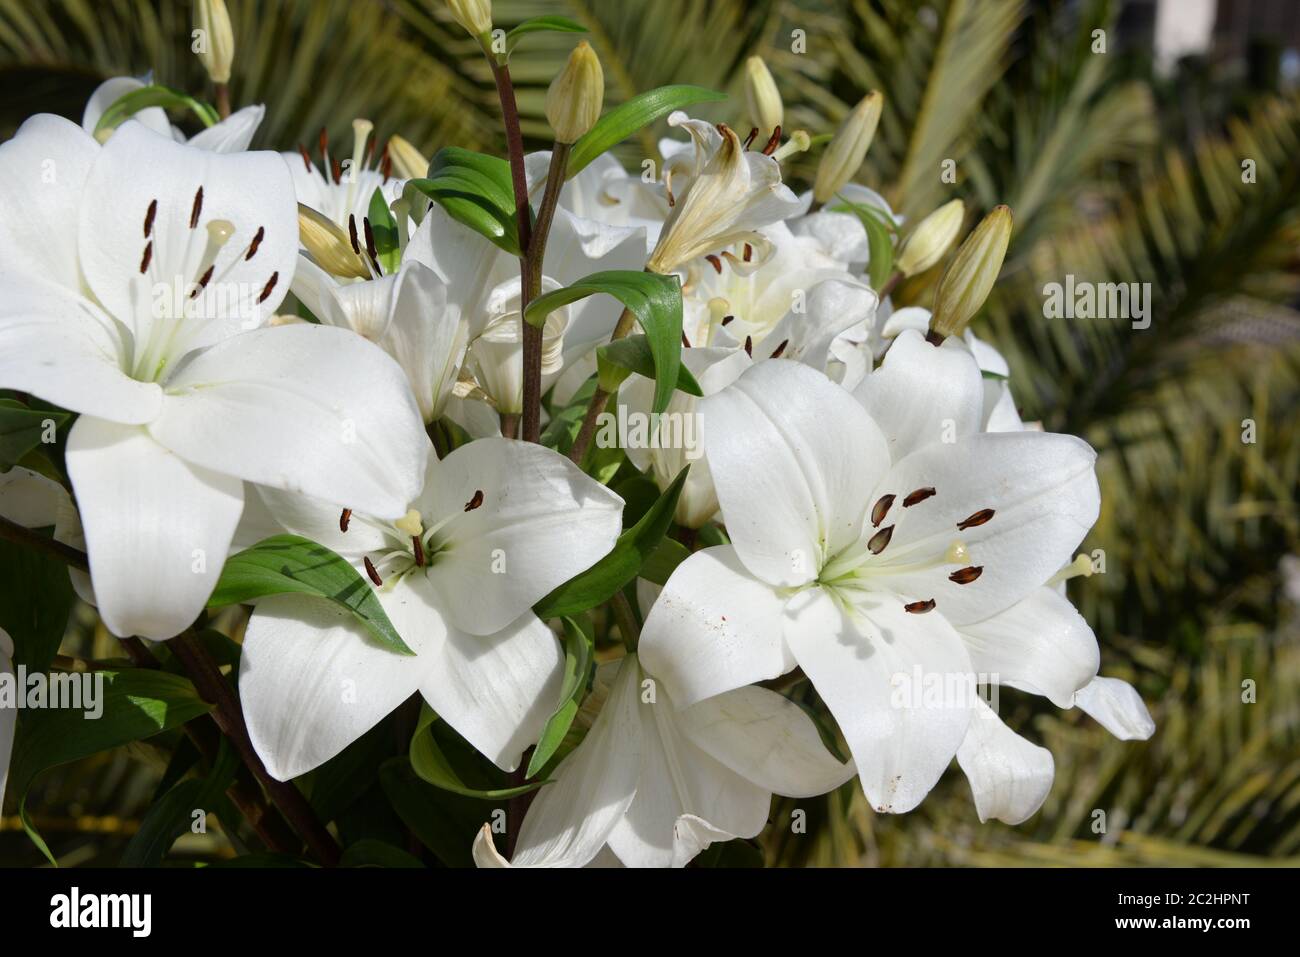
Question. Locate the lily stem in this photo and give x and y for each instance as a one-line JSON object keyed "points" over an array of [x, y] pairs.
{"points": [[598, 398], [214, 689], [625, 619]]}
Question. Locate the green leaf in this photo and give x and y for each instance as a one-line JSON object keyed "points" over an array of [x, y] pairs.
{"points": [[23, 428], [549, 24], [579, 654], [291, 564], [434, 765], [384, 228], [626, 118], [134, 704], [35, 600], [476, 191], [616, 360], [372, 853], [655, 300], [172, 815], [127, 105], [600, 582], [445, 823], [880, 244], [663, 561]]}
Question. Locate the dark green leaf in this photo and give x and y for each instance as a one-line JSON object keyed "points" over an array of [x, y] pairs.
{"points": [[655, 300], [550, 23], [35, 599], [127, 105], [172, 815], [579, 651], [880, 244], [616, 360], [663, 561], [600, 582], [433, 764], [134, 704], [443, 822], [371, 853], [629, 117], [384, 228], [476, 191], [23, 428], [286, 564]]}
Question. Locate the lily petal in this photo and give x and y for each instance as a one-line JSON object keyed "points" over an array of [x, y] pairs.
{"points": [[1009, 776], [233, 134], [1117, 706], [306, 408], [158, 528]]}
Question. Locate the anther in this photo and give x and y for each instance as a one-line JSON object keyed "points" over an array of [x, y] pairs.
{"points": [[324, 142], [878, 541], [776, 354], [256, 243], [749, 346], [148, 218], [727, 319], [352, 233], [979, 518], [748, 253], [306, 157], [370, 238], [266, 291], [880, 510], [418, 549], [475, 502], [337, 169], [386, 164], [773, 143], [753, 135], [202, 283], [920, 495], [686, 342], [715, 262], [197, 209], [964, 576], [370, 570], [148, 255], [344, 518], [919, 607]]}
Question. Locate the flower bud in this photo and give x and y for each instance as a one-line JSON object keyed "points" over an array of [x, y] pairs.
{"points": [[848, 147], [970, 276], [217, 50], [931, 239], [408, 162], [329, 246], [574, 101], [474, 15], [763, 98]]}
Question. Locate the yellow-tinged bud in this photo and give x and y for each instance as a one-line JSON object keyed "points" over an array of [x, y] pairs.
{"points": [[474, 15], [766, 110], [576, 96], [970, 276], [408, 162], [848, 147], [931, 239], [215, 41], [329, 245]]}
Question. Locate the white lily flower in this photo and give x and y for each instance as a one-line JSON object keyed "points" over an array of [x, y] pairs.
{"points": [[231, 135], [728, 195], [496, 357], [604, 192], [34, 501], [925, 396], [857, 570], [499, 524], [342, 186], [656, 785], [841, 234], [136, 302]]}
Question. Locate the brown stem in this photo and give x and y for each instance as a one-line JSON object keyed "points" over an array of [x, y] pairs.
{"points": [[626, 322], [536, 256], [510, 421], [213, 688]]}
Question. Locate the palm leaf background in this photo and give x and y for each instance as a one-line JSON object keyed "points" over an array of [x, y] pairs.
{"points": [[1105, 185]]}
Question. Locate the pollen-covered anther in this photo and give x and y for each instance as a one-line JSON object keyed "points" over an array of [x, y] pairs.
{"points": [[753, 135], [749, 346], [776, 353], [920, 495], [876, 544], [147, 257], [964, 576], [881, 509], [352, 233], [267, 289], [728, 319], [686, 343], [977, 519], [748, 252], [202, 283], [371, 249], [919, 607], [715, 262], [256, 244], [306, 157], [474, 502], [371, 572], [197, 209], [344, 518], [149, 218], [773, 142]]}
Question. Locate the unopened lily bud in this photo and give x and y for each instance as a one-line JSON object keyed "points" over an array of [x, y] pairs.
{"points": [[474, 15], [971, 274], [576, 96], [217, 51], [931, 239], [408, 162], [329, 246], [848, 148], [763, 98]]}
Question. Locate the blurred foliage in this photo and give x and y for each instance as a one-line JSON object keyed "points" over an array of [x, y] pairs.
{"points": [[1113, 177]]}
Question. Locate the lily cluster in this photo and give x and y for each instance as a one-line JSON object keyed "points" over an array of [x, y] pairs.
{"points": [[260, 344]]}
